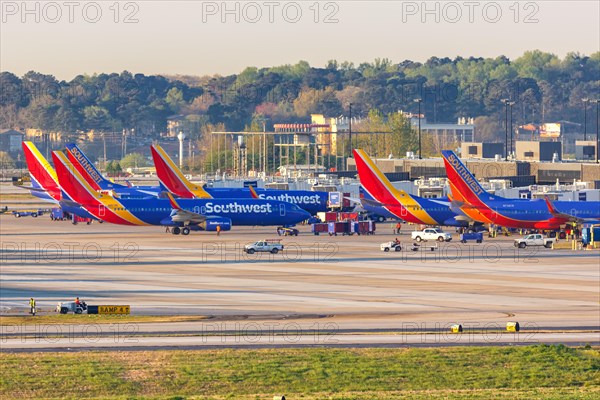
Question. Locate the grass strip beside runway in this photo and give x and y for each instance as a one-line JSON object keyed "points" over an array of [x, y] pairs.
{"points": [[543, 372]]}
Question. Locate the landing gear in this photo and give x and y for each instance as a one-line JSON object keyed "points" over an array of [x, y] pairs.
{"points": [[177, 230]]}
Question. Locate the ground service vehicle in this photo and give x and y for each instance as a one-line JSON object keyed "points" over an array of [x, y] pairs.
{"points": [[71, 306], [34, 214], [393, 245], [268, 245], [287, 231], [535, 239], [431, 234], [476, 236]]}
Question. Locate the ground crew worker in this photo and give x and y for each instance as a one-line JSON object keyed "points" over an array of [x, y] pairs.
{"points": [[398, 226], [32, 306], [77, 302], [218, 230]]}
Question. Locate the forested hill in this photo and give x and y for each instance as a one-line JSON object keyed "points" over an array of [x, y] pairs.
{"points": [[544, 87]]}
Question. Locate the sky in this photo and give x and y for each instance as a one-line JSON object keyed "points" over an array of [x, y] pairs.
{"points": [[68, 38]]}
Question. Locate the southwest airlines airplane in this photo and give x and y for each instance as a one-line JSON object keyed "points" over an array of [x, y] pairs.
{"points": [[183, 215], [45, 182], [478, 204], [399, 203], [98, 182], [171, 177]]}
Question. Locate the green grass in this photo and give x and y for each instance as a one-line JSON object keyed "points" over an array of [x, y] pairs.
{"points": [[94, 319], [543, 372]]}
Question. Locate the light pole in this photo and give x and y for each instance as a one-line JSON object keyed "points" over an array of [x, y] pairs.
{"points": [[597, 125], [511, 104], [419, 101], [505, 101], [585, 101], [350, 128], [181, 136]]}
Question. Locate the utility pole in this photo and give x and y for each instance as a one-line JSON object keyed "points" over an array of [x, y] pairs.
{"points": [[585, 101], [419, 101], [597, 125], [511, 104], [350, 127], [505, 101]]}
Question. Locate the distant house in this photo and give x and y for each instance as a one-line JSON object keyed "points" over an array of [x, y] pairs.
{"points": [[10, 141]]}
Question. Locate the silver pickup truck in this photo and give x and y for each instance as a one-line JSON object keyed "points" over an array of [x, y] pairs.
{"points": [[534, 239], [268, 245]]}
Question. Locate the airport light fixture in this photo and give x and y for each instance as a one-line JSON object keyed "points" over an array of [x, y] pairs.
{"points": [[419, 101], [510, 105], [181, 136], [350, 128], [505, 101], [585, 103], [597, 126]]}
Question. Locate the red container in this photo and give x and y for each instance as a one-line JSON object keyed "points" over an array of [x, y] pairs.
{"points": [[330, 216]]}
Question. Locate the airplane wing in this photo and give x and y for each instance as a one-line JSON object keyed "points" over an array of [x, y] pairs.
{"points": [[185, 216]]}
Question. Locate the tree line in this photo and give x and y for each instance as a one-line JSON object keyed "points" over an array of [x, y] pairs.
{"points": [[543, 86]]}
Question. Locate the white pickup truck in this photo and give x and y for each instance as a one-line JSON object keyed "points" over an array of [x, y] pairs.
{"points": [[268, 245], [535, 239], [431, 234]]}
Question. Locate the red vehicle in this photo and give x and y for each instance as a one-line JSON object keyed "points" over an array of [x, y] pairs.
{"points": [[319, 228], [77, 219]]}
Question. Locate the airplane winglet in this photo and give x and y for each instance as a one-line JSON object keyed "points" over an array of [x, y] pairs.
{"points": [[253, 192], [173, 202], [550, 206]]}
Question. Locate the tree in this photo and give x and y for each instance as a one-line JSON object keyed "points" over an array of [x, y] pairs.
{"points": [[133, 160], [175, 99], [6, 160], [113, 168]]}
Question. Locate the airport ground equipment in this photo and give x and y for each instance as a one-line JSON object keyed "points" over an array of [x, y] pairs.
{"points": [[28, 213], [273, 246], [393, 245], [362, 227], [287, 231], [469, 236], [433, 234], [590, 235], [535, 239], [71, 306], [423, 247]]}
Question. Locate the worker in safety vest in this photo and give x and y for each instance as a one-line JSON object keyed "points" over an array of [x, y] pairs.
{"points": [[32, 306]]}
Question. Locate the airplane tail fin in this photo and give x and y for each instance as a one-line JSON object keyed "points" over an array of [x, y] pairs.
{"points": [[100, 205], [463, 184], [375, 184], [41, 172], [172, 178], [87, 169]]}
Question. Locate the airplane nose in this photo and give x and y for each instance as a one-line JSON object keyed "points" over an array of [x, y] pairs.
{"points": [[303, 215]]}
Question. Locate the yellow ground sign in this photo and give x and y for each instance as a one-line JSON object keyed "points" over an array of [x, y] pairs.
{"points": [[114, 310]]}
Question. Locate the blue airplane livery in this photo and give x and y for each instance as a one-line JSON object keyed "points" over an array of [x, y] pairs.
{"points": [[481, 206], [182, 214], [175, 182], [402, 205]]}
